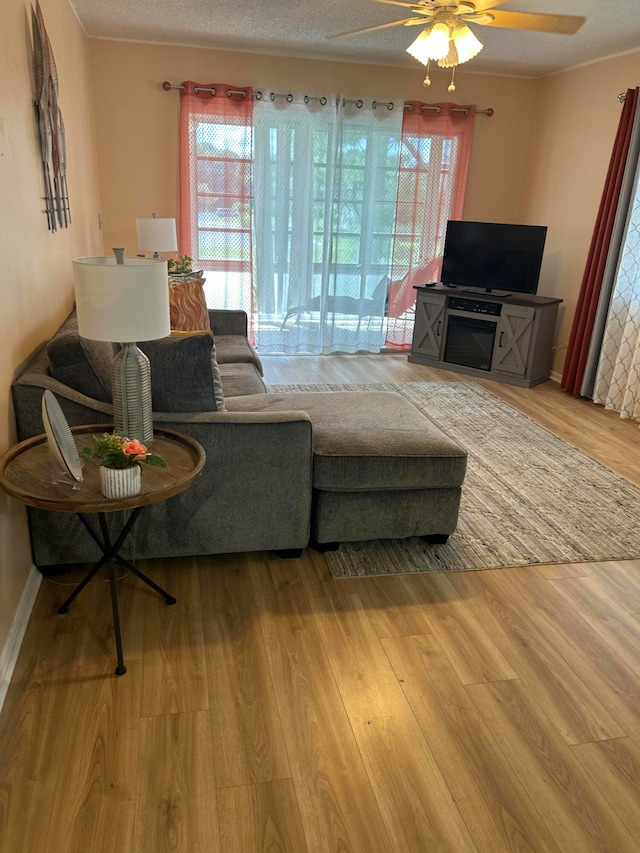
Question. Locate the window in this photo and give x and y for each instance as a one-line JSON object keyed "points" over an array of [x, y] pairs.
{"points": [[300, 209], [223, 192], [216, 191]]}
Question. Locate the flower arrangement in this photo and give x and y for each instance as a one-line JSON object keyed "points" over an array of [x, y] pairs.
{"points": [[116, 451]]}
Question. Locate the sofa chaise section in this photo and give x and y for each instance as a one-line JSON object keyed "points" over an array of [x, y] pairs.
{"points": [[381, 469]]}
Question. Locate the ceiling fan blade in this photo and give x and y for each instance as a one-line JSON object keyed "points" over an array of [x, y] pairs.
{"points": [[399, 3], [484, 5], [407, 22], [563, 24]]}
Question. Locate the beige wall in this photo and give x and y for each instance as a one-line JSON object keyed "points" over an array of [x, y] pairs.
{"points": [[36, 287], [137, 122], [541, 158], [576, 123]]}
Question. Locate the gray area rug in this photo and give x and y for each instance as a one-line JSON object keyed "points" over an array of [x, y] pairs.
{"points": [[528, 496]]}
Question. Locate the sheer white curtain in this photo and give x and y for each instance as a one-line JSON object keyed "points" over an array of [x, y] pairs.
{"points": [[617, 384], [325, 186]]}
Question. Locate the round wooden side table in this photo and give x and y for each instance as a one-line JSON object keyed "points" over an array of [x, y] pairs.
{"points": [[25, 474]]}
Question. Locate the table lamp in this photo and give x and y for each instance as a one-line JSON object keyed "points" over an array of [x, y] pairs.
{"points": [[124, 300], [157, 235]]}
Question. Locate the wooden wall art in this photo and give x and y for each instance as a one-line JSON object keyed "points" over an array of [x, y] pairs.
{"points": [[50, 125]]}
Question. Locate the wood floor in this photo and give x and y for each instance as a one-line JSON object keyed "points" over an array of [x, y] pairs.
{"points": [[275, 709]]}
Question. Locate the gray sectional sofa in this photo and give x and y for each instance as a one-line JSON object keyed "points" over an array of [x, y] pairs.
{"points": [[281, 469]]}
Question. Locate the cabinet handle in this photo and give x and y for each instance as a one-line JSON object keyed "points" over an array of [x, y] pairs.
{"points": [[438, 328], [501, 338]]}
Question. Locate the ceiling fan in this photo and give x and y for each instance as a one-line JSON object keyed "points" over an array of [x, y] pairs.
{"points": [[446, 38]]}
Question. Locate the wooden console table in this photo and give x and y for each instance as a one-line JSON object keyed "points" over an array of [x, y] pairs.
{"points": [[25, 474]]}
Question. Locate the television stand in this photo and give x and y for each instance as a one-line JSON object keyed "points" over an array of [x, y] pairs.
{"points": [[507, 338]]}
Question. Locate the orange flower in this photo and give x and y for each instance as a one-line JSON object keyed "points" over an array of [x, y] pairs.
{"points": [[134, 448]]}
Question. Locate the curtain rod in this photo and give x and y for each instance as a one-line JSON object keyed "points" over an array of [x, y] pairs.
{"points": [[488, 112], [323, 100]]}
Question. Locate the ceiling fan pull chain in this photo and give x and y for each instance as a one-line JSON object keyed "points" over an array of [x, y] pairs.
{"points": [[452, 86], [427, 79]]}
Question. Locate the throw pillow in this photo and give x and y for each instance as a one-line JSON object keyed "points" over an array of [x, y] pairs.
{"points": [[188, 306], [180, 333], [80, 363], [182, 373], [215, 369]]}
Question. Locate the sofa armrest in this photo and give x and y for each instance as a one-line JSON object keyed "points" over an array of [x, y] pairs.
{"points": [[256, 486], [78, 409], [227, 322]]}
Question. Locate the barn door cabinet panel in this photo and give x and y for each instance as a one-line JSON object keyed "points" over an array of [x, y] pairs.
{"points": [[428, 333]]}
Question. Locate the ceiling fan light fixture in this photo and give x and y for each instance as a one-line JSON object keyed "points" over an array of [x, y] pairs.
{"points": [[432, 43], [466, 44], [451, 59]]}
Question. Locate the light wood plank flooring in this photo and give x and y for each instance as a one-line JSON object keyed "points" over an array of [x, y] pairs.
{"points": [[275, 709]]}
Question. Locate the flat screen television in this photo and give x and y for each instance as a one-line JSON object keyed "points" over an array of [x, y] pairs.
{"points": [[493, 256]]}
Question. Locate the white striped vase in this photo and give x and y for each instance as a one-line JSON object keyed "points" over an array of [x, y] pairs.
{"points": [[120, 482]]}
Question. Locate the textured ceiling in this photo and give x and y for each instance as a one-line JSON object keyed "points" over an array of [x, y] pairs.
{"points": [[303, 28]]}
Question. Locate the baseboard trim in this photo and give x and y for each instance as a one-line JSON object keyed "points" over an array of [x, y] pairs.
{"points": [[555, 376], [11, 649]]}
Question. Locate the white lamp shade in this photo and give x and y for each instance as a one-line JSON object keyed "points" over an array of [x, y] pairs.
{"points": [[157, 235], [122, 303], [467, 45], [432, 43]]}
